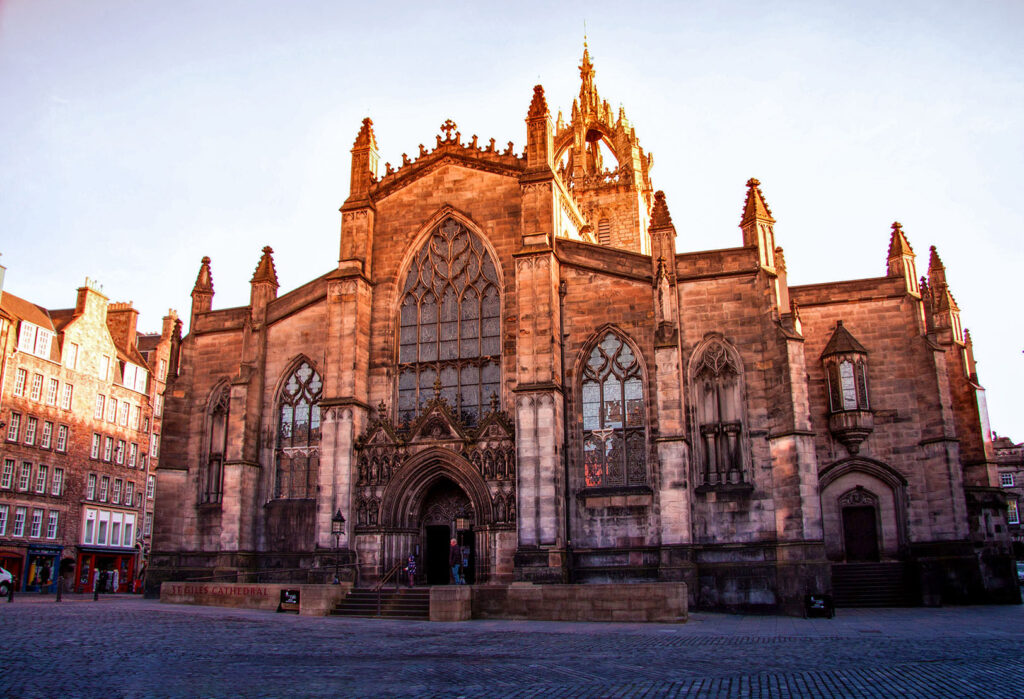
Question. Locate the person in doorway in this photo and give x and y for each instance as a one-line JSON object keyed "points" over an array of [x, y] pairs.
{"points": [[410, 569], [465, 563], [455, 561]]}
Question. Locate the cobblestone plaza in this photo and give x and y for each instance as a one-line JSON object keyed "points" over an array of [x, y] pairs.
{"points": [[128, 647]]}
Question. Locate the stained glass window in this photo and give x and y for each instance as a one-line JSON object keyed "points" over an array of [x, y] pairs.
{"points": [[298, 434], [450, 325], [614, 416]]}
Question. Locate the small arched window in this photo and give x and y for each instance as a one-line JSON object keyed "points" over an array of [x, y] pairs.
{"points": [[449, 325], [212, 476], [298, 434], [715, 380], [614, 416]]}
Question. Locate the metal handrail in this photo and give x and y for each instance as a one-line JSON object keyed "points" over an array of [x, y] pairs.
{"points": [[383, 581]]}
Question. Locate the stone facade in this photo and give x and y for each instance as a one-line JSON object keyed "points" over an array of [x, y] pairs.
{"points": [[510, 352], [80, 440]]}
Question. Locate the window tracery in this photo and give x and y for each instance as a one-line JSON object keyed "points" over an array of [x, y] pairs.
{"points": [[298, 434], [716, 382], [614, 416], [449, 325], [212, 478]]}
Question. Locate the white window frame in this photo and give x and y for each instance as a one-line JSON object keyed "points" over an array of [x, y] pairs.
{"points": [[115, 493], [119, 452], [57, 482], [46, 438], [133, 455], [90, 487], [51, 524], [20, 515], [36, 530], [101, 403], [27, 337], [112, 409], [89, 526], [4, 509], [94, 452], [14, 427], [20, 379], [71, 356], [31, 424], [51, 392], [150, 487], [104, 488], [7, 476], [36, 392], [1006, 480], [104, 368], [25, 476], [66, 397], [62, 438], [42, 471], [136, 416], [148, 526], [129, 492], [108, 448]]}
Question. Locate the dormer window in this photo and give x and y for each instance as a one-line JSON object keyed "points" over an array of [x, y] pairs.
{"points": [[34, 340]]}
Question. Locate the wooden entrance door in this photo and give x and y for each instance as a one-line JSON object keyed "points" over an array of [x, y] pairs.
{"points": [[860, 533]]}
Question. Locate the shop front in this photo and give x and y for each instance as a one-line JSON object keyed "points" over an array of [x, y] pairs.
{"points": [[13, 561], [41, 571], [112, 570]]}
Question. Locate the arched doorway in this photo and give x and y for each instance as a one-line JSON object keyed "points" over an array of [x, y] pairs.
{"points": [[446, 514], [435, 496]]}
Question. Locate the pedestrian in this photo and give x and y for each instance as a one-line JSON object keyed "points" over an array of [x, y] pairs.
{"points": [[410, 569], [455, 561], [100, 585], [465, 563]]}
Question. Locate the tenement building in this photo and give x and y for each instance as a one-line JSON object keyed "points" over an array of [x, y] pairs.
{"points": [[79, 439], [511, 352]]}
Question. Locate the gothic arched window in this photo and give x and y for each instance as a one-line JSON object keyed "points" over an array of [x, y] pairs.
{"points": [[212, 476], [715, 374], [298, 434], [614, 416], [449, 325]]}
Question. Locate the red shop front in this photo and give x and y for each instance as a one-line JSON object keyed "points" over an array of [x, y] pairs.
{"points": [[14, 563], [119, 567]]}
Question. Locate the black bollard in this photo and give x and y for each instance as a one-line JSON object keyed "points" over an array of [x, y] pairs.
{"points": [[60, 587], [10, 592]]}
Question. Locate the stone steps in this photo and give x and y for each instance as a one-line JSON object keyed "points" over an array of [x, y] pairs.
{"points": [[871, 585], [400, 604]]}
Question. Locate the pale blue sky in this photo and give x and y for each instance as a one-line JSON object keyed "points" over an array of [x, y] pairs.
{"points": [[138, 136]]}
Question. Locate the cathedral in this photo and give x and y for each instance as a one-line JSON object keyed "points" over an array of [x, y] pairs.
{"points": [[510, 352]]}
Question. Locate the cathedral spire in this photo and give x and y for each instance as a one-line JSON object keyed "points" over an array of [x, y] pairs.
{"points": [[588, 92]]}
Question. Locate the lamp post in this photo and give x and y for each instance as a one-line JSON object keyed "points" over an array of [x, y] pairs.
{"points": [[337, 523]]}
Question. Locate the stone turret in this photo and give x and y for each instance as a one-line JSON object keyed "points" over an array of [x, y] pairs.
{"points": [[758, 226], [540, 133], [944, 309], [365, 159], [263, 286], [202, 292], [900, 262]]}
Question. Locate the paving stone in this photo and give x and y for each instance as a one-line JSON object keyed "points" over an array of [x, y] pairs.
{"points": [[129, 647]]}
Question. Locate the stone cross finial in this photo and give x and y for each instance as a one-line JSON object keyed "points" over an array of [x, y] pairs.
{"points": [[448, 126]]}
